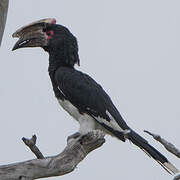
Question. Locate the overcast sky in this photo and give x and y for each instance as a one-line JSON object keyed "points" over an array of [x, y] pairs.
{"points": [[132, 48]]}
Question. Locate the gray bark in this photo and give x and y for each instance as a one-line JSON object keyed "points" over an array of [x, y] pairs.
{"points": [[3, 15], [65, 162], [31, 143]]}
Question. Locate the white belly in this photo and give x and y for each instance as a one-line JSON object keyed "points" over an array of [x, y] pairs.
{"points": [[87, 123], [71, 109]]}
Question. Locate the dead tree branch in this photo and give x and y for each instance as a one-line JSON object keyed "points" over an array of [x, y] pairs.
{"points": [[65, 162], [3, 15], [169, 146], [31, 143]]}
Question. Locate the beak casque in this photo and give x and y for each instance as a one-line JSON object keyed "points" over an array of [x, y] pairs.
{"points": [[32, 35]]}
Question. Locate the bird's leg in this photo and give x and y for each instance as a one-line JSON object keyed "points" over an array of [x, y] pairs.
{"points": [[73, 136]]}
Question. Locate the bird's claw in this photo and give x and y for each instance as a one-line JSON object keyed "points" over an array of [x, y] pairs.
{"points": [[73, 136]]}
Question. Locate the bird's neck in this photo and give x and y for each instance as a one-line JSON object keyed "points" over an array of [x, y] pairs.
{"points": [[55, 62]]}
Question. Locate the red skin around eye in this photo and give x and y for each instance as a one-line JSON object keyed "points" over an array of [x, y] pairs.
{"points": [[50, 34]]}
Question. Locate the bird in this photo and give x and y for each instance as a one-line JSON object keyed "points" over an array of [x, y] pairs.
{"points": [[77, 93]]}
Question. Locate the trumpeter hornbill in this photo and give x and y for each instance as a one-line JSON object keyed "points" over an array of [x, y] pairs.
{"points": [[82, 97]]}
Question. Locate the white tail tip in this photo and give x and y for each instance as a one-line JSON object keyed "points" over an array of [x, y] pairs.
{"points": [[170, 167]]}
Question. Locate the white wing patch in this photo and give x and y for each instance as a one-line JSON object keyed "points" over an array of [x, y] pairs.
{"points": [[112, 123], [61, 91]]}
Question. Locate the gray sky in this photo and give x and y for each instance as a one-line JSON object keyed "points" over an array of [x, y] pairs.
{"points": [[132, 48]]}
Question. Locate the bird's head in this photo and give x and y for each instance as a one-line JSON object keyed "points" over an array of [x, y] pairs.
{"points": [[56, 39]]}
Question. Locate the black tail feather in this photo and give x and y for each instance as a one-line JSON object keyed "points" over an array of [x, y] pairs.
{"points": [[152, 152]]}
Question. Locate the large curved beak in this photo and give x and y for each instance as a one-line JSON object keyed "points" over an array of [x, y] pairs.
{"points": [[32, 35]]}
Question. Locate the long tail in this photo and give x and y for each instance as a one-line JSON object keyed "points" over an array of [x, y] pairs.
{"points": [[152, 152]]}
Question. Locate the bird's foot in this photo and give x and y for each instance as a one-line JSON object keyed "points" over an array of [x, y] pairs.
{"points": [[74, 136]]}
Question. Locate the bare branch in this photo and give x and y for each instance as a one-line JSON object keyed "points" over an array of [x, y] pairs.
{"points": [[31, 143], [169, 146], [3, 15], [65, 162]]}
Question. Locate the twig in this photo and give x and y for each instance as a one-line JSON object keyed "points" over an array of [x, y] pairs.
{"points": [[58, 165], [31, 143], [169, 146]]}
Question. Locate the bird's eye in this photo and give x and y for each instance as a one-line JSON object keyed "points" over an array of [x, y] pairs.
{"points": [[50, 34]]}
